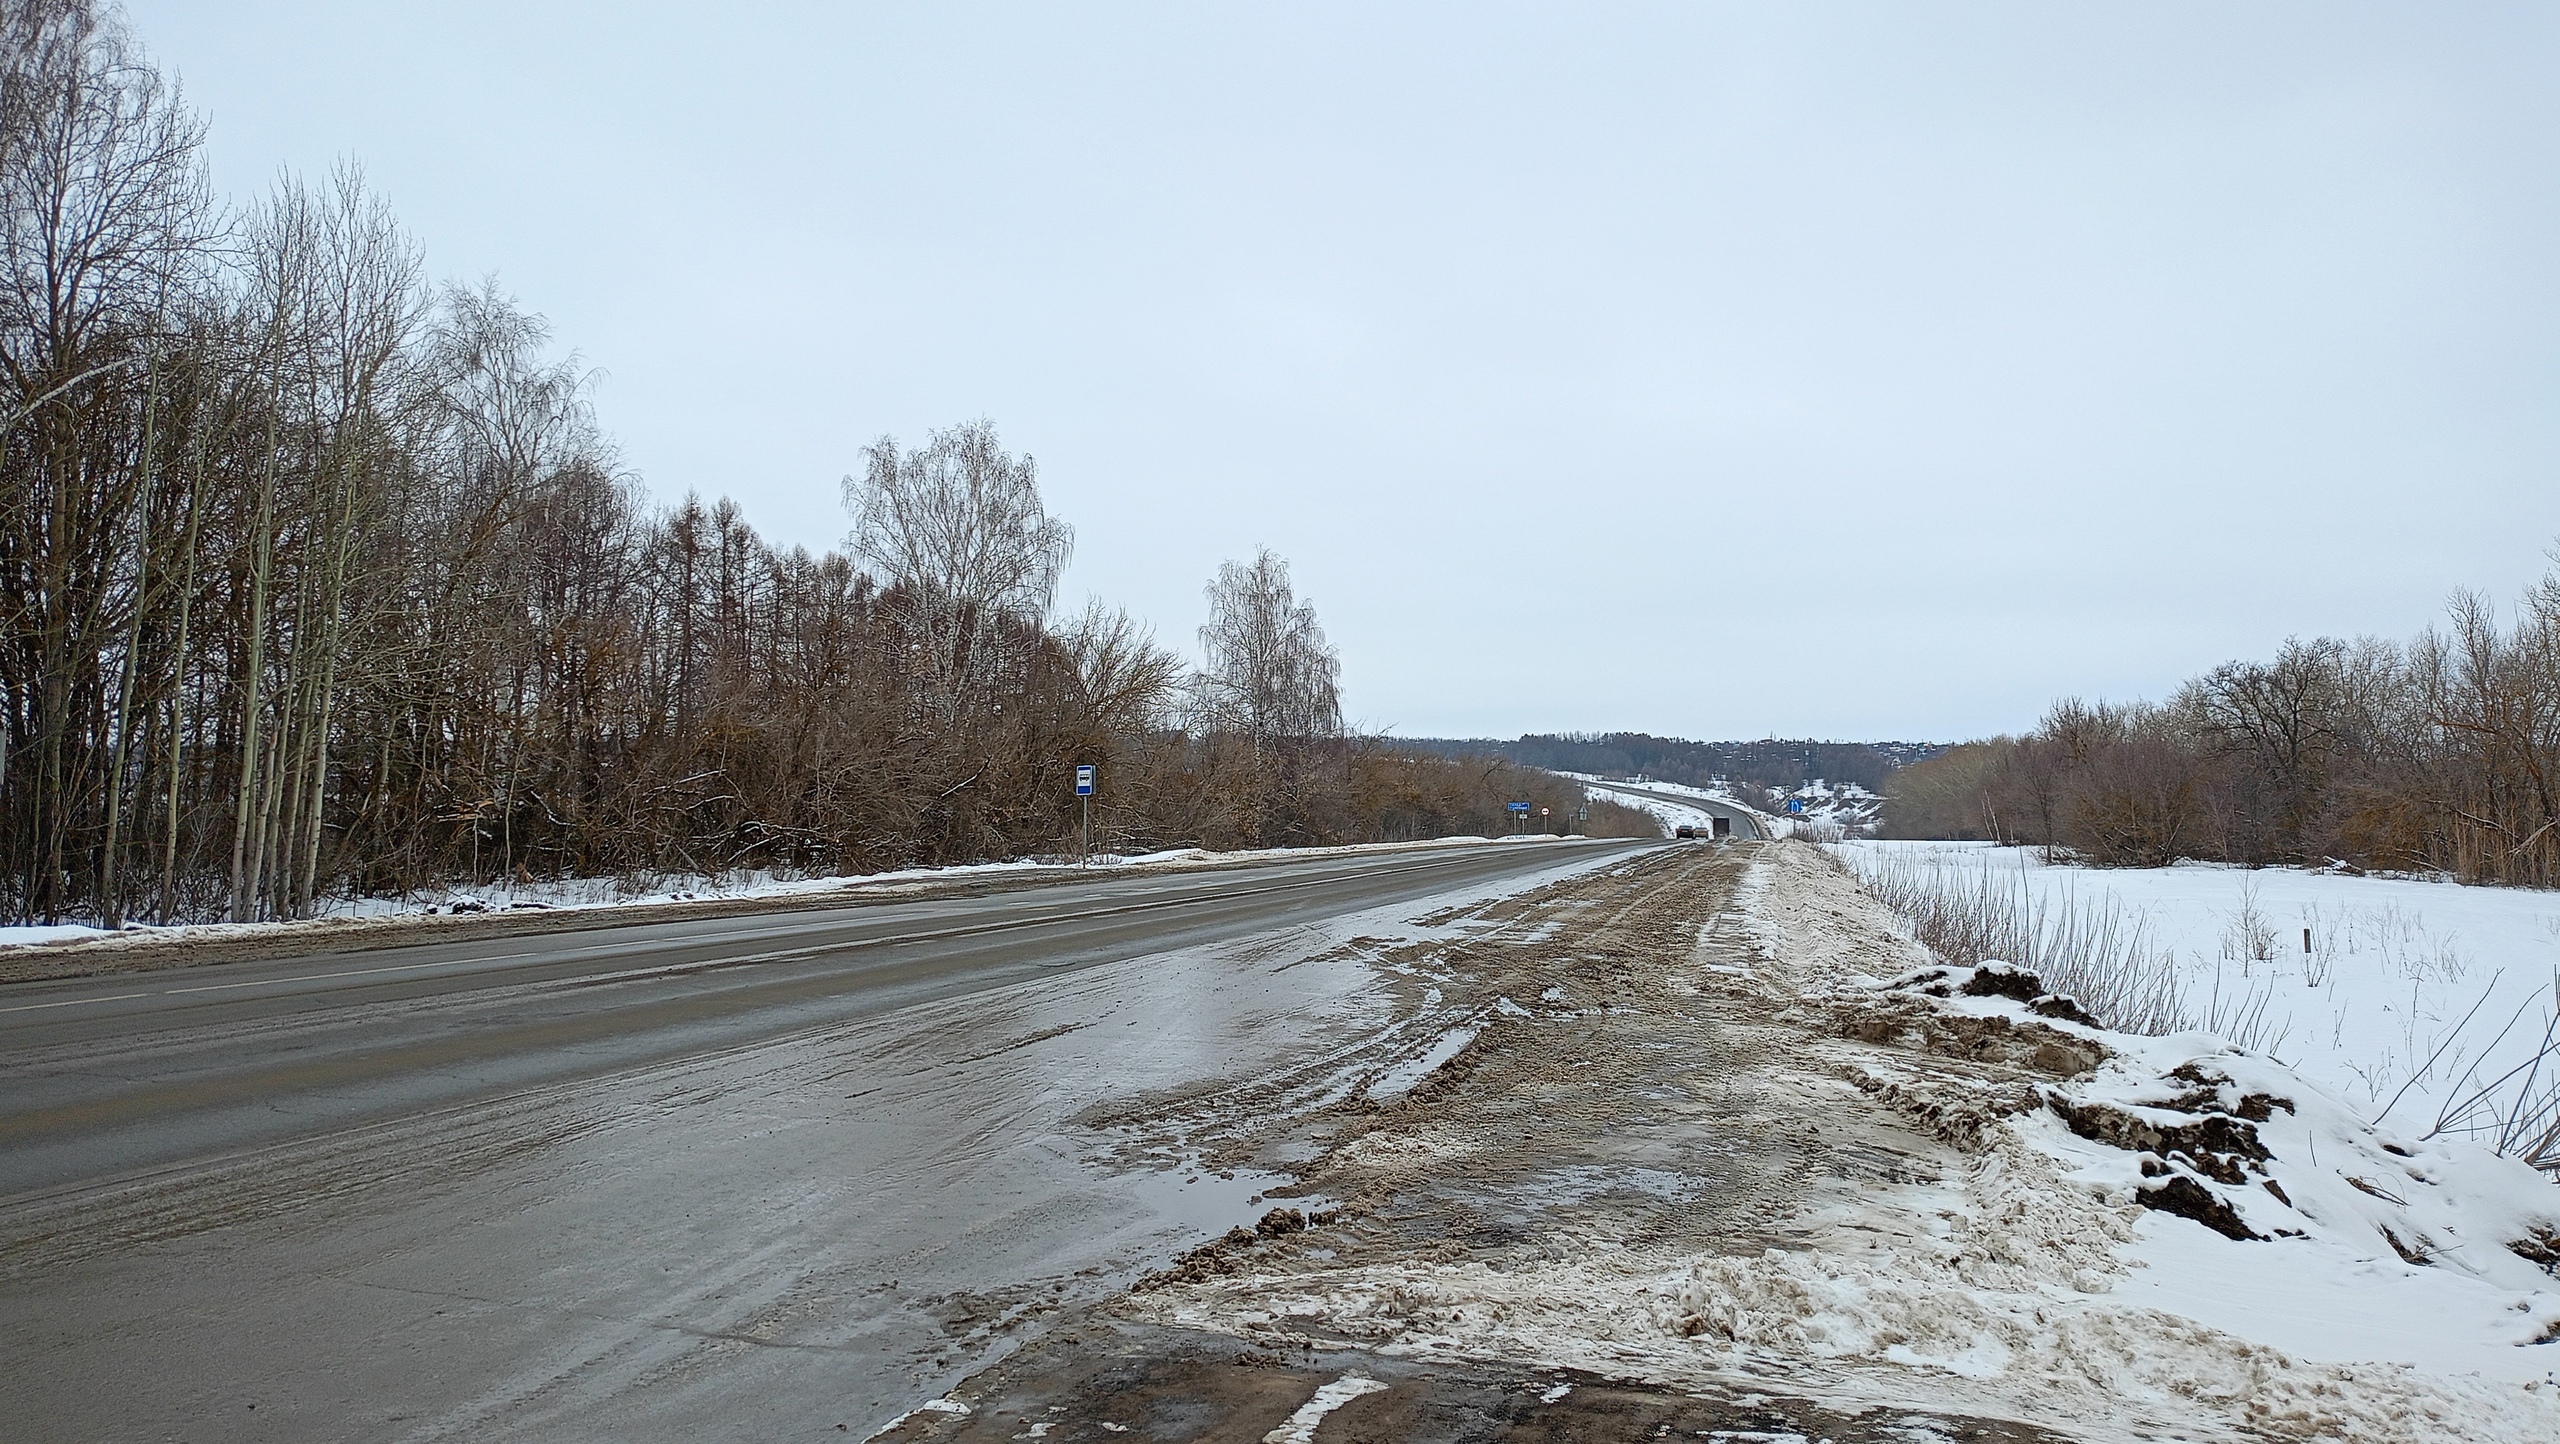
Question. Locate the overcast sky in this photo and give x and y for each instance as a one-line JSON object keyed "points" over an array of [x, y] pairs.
{"points": [[1706, 370]]}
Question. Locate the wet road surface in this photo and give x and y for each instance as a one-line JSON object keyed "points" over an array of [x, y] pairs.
{"points": [[731, 1178], [114, 1077]]}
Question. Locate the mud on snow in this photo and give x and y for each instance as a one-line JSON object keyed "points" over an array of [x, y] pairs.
{"points": [[1703, 1144]]}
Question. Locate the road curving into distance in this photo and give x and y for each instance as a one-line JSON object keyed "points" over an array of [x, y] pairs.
{"points": [[1747, 824]]}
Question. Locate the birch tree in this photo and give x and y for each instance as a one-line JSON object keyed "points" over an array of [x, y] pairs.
{"points": [[1270, 673], [956, 534]]}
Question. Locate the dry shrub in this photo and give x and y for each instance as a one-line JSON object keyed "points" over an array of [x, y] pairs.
{"points": [[2096, 952]]}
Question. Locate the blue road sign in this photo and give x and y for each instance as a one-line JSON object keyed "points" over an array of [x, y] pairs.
{"points": [[1519, 807], [1795, 804], [1084, 782]]}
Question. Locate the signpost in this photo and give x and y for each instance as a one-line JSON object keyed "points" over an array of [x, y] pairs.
{"points": [[1518, 811], [1084, 800]]}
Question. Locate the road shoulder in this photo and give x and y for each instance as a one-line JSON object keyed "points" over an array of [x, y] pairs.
{"points": [[1697, 1141]]}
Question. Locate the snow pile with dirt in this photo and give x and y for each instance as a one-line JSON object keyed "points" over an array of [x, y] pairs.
{"points": [[2186, 1225], [2424, 1004]]}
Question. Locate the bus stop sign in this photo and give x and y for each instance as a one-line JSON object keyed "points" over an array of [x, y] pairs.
{"points": [[1084, 782]]}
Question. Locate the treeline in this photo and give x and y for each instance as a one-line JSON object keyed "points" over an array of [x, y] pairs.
{"points": [[1770, 764], [315, 579], [2441, 754]]}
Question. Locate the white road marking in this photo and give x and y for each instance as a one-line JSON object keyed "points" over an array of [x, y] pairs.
{"points": [[69, 1002], [349, 973]]}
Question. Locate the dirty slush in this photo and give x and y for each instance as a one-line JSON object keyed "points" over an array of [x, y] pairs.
{"points": [[1496, 1248]]}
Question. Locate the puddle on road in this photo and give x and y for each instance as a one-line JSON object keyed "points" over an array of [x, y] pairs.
{"points": [[1401, 1079], [1212, 1202]]}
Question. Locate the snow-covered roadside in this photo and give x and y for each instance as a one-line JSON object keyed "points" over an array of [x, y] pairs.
{"points": [[1670, 814], [593, 894], [2385, 1293], [1707, 794], [2001, 1213], [2413, 996], [1847, 807]]}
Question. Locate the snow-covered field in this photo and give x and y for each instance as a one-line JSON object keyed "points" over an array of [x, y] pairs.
{"points": [[2423, 1004]]}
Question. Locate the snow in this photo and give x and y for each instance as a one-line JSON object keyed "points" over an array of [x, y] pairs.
{"points": [[627, 892], [2375, 1012], [1399, 1080], [1829, 812], [2328, 1283], [1300, 1428], [1669, 814], [929, 1406], [2291, 1297], [2379, 1253], [2013, 1269], [1846, 810], [69, 933]]}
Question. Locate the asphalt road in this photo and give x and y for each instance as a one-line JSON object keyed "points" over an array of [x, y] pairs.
{"points": [[1747, 825], [761, 1176], [114, 1078]]}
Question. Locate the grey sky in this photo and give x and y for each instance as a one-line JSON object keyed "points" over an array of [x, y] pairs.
{"points": [[1714, 371]]}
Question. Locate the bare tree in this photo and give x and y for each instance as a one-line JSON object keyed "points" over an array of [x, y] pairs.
{"points": [[957, 534], [1270, 674], [1128, 683], [104, 222], [2281, 723]]}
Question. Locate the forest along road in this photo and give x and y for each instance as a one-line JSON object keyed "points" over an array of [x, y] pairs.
{"points": [[658, 1180]]}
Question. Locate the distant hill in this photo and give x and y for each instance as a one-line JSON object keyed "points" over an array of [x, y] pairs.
{"points": [[1775, 763]]}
